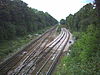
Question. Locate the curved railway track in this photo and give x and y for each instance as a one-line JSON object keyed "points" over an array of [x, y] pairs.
{"points": [[51, 61], [40, 57], [15, 59]]}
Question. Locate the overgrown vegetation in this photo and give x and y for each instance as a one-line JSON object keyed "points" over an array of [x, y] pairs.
{"points": [[8, 47], [84, 58], [17, 19]]}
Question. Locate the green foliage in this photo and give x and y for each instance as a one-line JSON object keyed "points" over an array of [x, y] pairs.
{"points": [[97, 2], [62, 22], [84, 56], [69, 21], [8, 47], [17, 19], [80, 20]]}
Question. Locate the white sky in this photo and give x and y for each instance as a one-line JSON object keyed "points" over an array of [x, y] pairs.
{"points": [[57, 8]]}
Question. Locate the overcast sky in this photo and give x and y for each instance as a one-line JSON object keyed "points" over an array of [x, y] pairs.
{"points": [[57, 8]]}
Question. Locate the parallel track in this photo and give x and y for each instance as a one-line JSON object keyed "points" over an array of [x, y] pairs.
{"points": [[49, 64], [7, 65], [39, 58]]}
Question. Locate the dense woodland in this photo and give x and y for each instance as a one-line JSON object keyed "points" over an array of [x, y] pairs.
{"points": [[84, 58], [17, 19]]}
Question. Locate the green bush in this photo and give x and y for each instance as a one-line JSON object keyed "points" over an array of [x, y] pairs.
{"points": [[84, 58]]}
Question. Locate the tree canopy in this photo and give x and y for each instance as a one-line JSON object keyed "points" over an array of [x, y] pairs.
{"points": [[80, 20], [84, 54], [17, 19]]}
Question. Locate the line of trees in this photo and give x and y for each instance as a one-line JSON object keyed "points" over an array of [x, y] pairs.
{"points": [[17, 19], [84, 57], [81, 19]]}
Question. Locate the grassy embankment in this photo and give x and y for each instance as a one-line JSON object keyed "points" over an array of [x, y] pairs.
{"points": [[84, 58], [8, 47]]}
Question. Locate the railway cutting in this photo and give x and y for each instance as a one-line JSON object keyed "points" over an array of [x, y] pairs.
{"points": [[40, 56]]}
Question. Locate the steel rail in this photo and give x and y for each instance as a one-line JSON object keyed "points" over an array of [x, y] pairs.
{"points": [[39, 58], [4, 65], [24, 63], [50, 56], [57, 57]]}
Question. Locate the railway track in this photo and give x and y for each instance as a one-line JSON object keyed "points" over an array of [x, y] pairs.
{"points": [[35, 44], [49, 64], [40, 57]]}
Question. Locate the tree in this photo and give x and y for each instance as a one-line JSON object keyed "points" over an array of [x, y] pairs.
{"points": [[80, 20], [17, 18], [62, 21]]}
